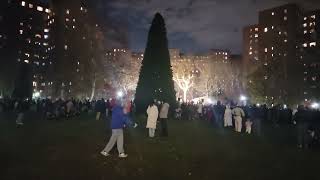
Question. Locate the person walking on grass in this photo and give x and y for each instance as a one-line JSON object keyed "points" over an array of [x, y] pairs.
{"points": [[164, 119], [238, 114], [118, 120], [153, 113]]}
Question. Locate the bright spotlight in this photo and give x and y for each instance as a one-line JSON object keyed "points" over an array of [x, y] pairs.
{"points": [[315, 105], [243, 98], [120, 94], [36, 94]]}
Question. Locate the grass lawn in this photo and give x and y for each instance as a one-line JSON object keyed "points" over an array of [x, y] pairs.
{"points": [[69, 149]]}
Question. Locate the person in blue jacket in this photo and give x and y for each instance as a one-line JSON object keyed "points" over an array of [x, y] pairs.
{"points": [[118, 121]]}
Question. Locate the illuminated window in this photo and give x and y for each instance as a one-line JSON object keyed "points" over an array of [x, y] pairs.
{"points": [[48, 10], [67, 19], [285, 40], [272, 27], [271, 48], [313, 44], [285, 10], [65, 47], [305, 25], [45, 44], [250, 48], [305, 32], [313, 16], [312, 24], [68, 11], [23, 3], [272, 13], [46, 30], [305, 45], [21, 31], [26, 61], [81, 8], [312, 31], [30, 5], [256, 29], [265, 29], [250, 52], [305, 18], [256, 35], [285, 18], [265, 49], [39, 8], [46, 36], [280, 32]]}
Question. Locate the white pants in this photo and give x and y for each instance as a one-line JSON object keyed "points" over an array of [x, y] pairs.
{"points": [[238, 123], [248, 127], [151, 132], [116, 137]]}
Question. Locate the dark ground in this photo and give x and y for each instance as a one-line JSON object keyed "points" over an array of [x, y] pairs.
{"points": [[69, 149]]}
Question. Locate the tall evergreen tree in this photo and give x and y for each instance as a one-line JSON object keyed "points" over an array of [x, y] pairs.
{"points": [[155, 80]]}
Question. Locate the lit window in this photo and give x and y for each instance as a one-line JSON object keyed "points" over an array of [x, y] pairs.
{"points": [[285, 40], [313, 16], [312, 31], [68, 11], [265, 29], [46, 30], [30, 5], [46, 36], [39, 8], [285, 10], [265, 49], [285, 18], [256, 35], [65, 47], [305, 25], [28, 55], [23, 3], [67, 19], [272, 27], [256, 29], [250, 52], [305, 32], [48, 10], [250, 48], [45, 44], [280, 32], [21, 31], [313, 44], [26, 61], [305, 45], [305, 18], [312, 24], [272, 13], [271, 48], [81, 8]]}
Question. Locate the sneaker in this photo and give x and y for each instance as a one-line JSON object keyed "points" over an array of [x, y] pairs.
{"points": [[135, 125], [123, 155], [104, 153]]}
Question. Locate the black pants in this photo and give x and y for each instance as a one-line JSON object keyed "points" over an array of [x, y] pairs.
{"points": [[164, 127]]}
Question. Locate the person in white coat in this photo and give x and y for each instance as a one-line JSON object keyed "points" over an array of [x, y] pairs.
{"points": [[238, 113], [153, 113], [228, 117]]}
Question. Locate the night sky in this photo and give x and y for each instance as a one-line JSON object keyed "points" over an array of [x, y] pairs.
{"points": [[194, 25]]}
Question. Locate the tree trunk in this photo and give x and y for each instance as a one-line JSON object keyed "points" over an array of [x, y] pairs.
{"points": [[93, 90], [185, 95]]}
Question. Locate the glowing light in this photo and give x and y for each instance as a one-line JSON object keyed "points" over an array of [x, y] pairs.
{"points": [[120, 94], [36, 94], [315, 105], [243, 98]]}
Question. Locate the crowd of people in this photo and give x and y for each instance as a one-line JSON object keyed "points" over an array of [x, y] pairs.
{"points": [[249, 118], [242, 118]]}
